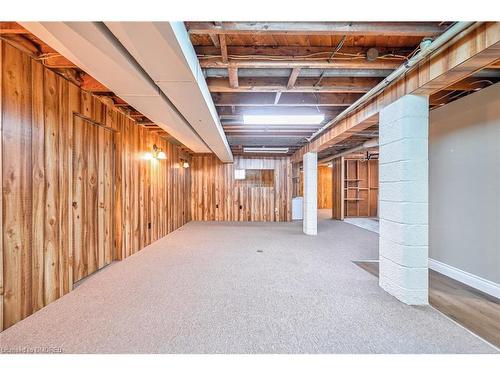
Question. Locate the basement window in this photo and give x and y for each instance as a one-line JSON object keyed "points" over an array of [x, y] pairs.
{"points": [[255, 178], [239, 174]]}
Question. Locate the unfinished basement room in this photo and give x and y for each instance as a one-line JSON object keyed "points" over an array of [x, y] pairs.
{"points": [[237, 187]]}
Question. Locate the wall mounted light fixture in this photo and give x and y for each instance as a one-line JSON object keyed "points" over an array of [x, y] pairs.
{"points": [[157, 153], [184, 163]]}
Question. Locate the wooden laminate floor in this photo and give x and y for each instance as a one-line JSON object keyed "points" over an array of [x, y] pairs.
{"points": [[471, 308]]}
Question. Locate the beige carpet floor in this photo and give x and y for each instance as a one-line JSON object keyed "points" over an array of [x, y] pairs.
{"points": [[241, 288]]}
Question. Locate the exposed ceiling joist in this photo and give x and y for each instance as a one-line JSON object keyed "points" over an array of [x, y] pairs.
{"points": [[58, 61], [285, 72], [290, 62], [319, 28], [89, 83], [287, 99], [275, 84], [223, 48], [476, 48], [12, 28], [293, 78], [297, 51], [215, 40], [22, 43], [225, 112], [233, 78]]}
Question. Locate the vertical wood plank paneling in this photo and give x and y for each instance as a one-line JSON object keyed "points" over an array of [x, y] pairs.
{"points": [[324, 187], [63, 196], [101, 196], [74, 103], [1, 190], [215, 195], [78, 199], [38, 186], [16, 192], [74, 195], [51, 231], [91, 197], [116, 122], [338, 189]]}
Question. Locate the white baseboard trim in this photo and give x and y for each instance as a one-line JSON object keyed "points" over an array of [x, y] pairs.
{"points": [[486, 286]]}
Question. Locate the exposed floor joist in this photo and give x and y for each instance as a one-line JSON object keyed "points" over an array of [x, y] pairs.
{"points": [[319, 28], [286, 68], [287, 99], [474, 49], [294, 84]]}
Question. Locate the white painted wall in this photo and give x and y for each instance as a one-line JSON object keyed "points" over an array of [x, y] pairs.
{"points": [[464, 185]]}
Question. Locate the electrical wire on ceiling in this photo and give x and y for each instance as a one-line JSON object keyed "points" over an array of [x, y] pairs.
{"points": [[389, 56], [337, 49], [460, 92]]}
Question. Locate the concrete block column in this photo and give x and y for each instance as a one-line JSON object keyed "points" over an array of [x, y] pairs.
{"points": [[310, 167], [403, 199]]}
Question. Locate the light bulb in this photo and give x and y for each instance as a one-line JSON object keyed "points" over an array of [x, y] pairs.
{"points": [[148, 156]]}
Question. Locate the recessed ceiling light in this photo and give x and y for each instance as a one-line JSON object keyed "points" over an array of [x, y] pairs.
{"points": [[283, 119], [266, 150]]}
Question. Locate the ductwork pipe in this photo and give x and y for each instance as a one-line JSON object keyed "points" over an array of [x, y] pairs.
{"points": [[440, 41], [368, 144]]}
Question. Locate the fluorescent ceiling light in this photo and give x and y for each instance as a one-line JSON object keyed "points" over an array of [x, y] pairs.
{"points": [[266, 150], [283, 120]]}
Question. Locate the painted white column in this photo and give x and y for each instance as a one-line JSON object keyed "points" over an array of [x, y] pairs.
{"points": [[403, 199], [310, 168]]}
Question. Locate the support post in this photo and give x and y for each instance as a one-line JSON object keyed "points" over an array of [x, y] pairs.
{"points": [[310, 166], [403, 199]]}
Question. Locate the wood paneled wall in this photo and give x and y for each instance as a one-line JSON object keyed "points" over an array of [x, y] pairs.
{"points": [[325, 185], [38, 111], [338, 188], [325, 193], [216, 195]]}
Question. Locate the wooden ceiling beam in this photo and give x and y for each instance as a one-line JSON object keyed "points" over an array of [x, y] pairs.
{"points": [[12, 28], [23, 44], [287, 99], [226, 113], [215, 40], [320, 28], [290, 63], [274, 84], [293, 78], [223, 48], [233, 77], [475, 49], [89, 83], [58, 61]]}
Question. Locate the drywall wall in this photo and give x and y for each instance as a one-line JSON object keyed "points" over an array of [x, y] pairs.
{"points": [[464, 184]]}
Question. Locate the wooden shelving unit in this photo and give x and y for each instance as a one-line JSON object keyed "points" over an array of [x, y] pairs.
{"points": [[360, 187]]}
